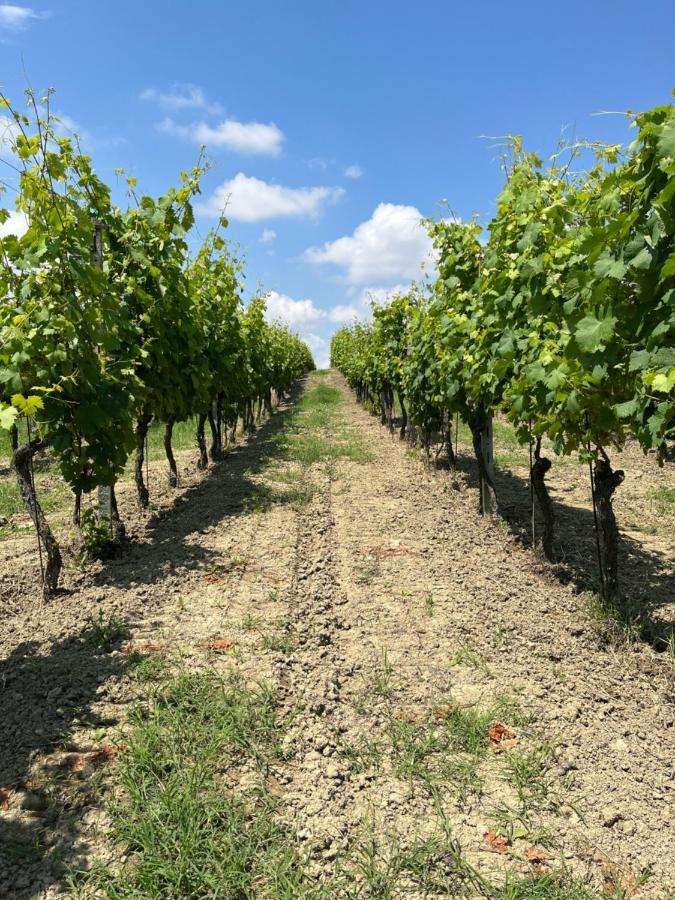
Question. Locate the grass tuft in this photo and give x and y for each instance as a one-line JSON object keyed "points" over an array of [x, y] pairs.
{"points": [[190, 824]]}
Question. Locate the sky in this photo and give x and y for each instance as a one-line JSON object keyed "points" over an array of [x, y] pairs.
{"points": [[333, 128]]}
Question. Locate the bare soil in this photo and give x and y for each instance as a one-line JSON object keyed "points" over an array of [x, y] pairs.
{"points": [[378, 607]]}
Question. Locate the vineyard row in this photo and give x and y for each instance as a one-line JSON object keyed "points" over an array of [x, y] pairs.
{"points": [[563, 319], [111, 319]]}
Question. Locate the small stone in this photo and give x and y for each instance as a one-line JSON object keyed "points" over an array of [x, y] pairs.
{"points": [[566, 765], [331, 852], [332, 771], [610, 817], [571, 711], [34, 803]]}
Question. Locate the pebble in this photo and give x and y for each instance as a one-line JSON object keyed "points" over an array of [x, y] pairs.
{"points": [[34, 802], [610, 816]]}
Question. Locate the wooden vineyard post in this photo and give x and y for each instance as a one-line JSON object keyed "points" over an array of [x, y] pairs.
{"points": [[105, 492], [487, 480]]}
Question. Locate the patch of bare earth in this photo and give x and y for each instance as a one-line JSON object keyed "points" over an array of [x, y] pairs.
{"points": [[445, 697]]}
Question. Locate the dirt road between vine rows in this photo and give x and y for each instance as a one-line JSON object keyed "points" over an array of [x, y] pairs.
{"points": [[440, 686]]}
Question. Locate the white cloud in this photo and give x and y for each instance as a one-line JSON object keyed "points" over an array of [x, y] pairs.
{"points": [[319, 162], [343, 313], [250, 199], [16, 224], [69, 127], [355, 171], [16, 18], [9, 132], [241, 137], [303, 317], [320, 348], [180, 97], [389, 246], [360, 308], [268, 236], [297, 314]]}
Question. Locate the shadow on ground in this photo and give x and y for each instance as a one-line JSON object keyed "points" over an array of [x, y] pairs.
{"points": [[647, 578], [42, 696], [229, 489], [48, 689]]}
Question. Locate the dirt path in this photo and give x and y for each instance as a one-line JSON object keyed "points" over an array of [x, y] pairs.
{"points": [[398, 629]]}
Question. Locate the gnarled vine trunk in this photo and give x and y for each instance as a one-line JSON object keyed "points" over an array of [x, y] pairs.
{"points": [[141, 432], [77, 510], [426, 445], [540, 467], [168, 449], [389, 397], [606, 482], [383, 407], [249, 423], [446, 438], [21, 461], [203, 460], [219, 422], [215, 450], [404, 415]]}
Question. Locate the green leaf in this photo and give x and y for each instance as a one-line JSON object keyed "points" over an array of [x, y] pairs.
{"points": [[666, 142], [642, 260], [593, 333], [8, 416], [639, 359], [606, 267], [664, 383], [627, 409], [668, 267], [27, 405]]}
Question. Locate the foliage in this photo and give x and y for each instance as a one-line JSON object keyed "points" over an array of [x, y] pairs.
{"points": [[564, 318], [105, 315]]}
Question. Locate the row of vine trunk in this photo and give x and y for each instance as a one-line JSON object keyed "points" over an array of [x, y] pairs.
{"points": [[223, 431], [604, 479]]}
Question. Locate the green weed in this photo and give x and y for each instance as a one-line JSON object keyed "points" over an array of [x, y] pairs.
{"points": [[188, 830], [663, 499], [105, 632]]}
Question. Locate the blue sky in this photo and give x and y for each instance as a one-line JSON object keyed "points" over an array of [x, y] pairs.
{"points": [[333, 127]]}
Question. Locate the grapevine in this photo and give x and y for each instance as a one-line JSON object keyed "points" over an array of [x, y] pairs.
{"points": [[563, 320], [107, 322]]}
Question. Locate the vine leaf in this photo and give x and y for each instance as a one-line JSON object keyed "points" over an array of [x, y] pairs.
{"points": [[8, 417], [593, 333]]}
